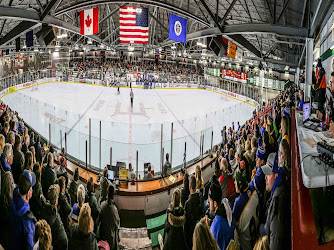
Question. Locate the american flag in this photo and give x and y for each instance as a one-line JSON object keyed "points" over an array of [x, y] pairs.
{"points": [[133, 24]]}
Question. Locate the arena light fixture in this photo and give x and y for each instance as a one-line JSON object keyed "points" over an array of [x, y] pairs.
{"points": [[203, 45], [89, 41], [131, 48], [56, 54], [102, 46], [59, 36], [199, 44], [173, 46], [64, 35], [36, 49]]}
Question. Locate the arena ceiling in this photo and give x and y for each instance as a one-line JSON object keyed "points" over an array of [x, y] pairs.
{"points": [[271, 31]]}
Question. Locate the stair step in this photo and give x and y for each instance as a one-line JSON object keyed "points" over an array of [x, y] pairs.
{"points": [[137, 243], [134, 233]]}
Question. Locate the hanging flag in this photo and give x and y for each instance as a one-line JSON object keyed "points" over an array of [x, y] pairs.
{"points": [[30, 38], [177, 28], [133, 24], [89, 21], [225, 45], [232, 50]]}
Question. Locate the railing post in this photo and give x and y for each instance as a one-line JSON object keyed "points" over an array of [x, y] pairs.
{"points": [[171, 146], [61, 139], [90, 141], [137, 170], [49, 133], [110, 157], [65, 143], [100, 147], [161, 156], [86, 154]]}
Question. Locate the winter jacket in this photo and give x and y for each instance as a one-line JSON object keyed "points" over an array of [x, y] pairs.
{"points": [[39, 152], [48, 178], [173, 233], [64, 207], [104, 184], [109, 223], [227, 186], [184, 195], [92, 201], [18, 161], [73, 192], [224, 234], [37, 200], [52, 217], [278, 224], [79, 241], [21, 224], [194, 212]]}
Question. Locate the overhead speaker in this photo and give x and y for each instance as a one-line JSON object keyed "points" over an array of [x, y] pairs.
{"points": [[46, 35]]}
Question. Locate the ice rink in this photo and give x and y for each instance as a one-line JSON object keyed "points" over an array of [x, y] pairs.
{"points": [[67, 107]]}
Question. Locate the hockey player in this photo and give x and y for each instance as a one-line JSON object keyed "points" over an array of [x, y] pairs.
{"points": [[131, 97]]}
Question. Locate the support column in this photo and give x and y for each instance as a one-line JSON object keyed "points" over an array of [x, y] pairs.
{"points": [[309, 67], [297, 77]]}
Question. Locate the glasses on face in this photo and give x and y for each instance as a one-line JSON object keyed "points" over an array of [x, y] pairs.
{"points": [[280, 153]]}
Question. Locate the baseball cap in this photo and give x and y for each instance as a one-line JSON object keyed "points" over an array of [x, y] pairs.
{"points": [[30, 176], [268, 169]]}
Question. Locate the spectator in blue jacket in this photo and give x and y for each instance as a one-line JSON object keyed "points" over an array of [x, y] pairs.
{"points": [[22, 220], [223, 225]]}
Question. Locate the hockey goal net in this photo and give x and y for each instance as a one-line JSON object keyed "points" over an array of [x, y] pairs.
{"points": [[34, 86]]}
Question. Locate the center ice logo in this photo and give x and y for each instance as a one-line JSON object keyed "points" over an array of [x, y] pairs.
{"points": [[177, 28]]}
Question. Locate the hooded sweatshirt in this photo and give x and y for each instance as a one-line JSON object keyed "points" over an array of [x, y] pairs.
{"points": [[22, 223]]}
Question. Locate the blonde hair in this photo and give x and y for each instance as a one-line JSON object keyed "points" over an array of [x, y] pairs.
{"points": [[248, 145], [2, 143], [254, 142], [28, 162], [85, 219], [43, 235], [11, 137], [7, 187], [32, 150], [198, 176], [203, 238], [176, 200], [262, 244], [285, 126], [81, 195]]}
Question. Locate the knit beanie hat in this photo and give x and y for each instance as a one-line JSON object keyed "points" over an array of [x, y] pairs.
{"points": [[76, 174], [286, 111], [261, 152], [240, 176]]}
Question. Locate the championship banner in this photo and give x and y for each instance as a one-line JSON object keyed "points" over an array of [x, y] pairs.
{"points": [[177, 28]]}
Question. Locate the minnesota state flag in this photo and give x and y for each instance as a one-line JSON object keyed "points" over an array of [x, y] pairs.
{"points": [[177, 28]]}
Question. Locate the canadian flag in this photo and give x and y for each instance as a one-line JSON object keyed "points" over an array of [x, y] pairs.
{"points": [[89, 21]]}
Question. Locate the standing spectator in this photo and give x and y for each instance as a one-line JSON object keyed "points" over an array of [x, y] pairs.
{"points": [[38, 150], [223, 225], [277, 225], [64, 202], [320, 86], [32, 138], [185, 189], [22, 220], [51, 215], [203, 238], [91, 199], [149, 175], [245, 210], [199, 179], [226, 180], [43, 236], [25, 146], [62, 170], [74, 187], [7, 158], [173, 233], [82, 236], [74, 215], [258, 180], [48, 175], [29, 161], [32, 150], [6, 196], [38, 199], [109, 220], [18, 159], [5, 130], [284, 158], [194, 211], [167, 168], [104, 184]]}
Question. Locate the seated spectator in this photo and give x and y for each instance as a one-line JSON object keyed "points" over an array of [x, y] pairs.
{"points": [[82, 236], [43, 236], [284, 158], [285, 127], [25, 146], [258, 180], [13, 128], [11, 138], [18, 159], [232, 161], [167, 168], [37, 200], [61, 171], [74, 215], [38, 151], [6, 196], [266, 143], [278, 223], [22, 220], [194, 211], [226, 180], [29, 161], [109, 220], [245, 210], [104, 185], [64, 202], [51, 215], [239, 156], [223, 225], [7, 158], [74, 187], [5, 130], [185, 189], [149, 175], [91, 199], [48, 175], [32, 138], [203, 238], [173, 233], [21, 127], [32, 150]]}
